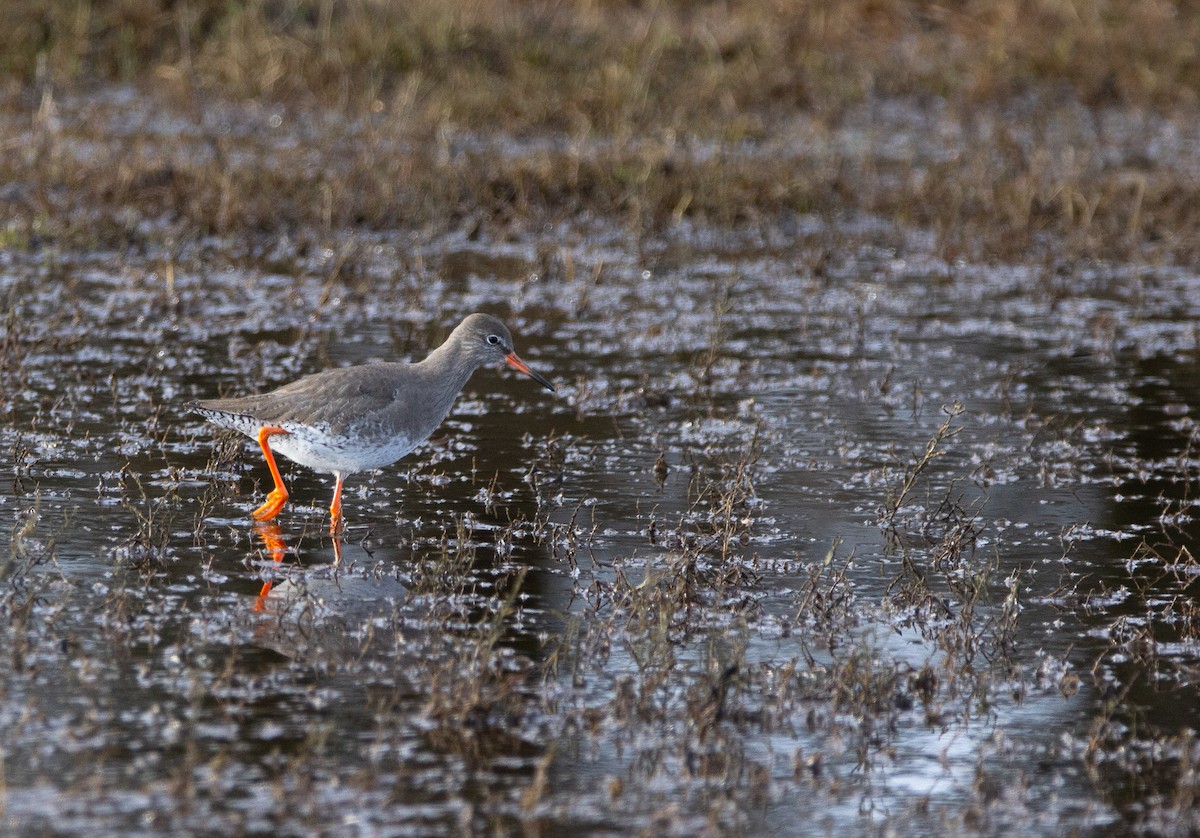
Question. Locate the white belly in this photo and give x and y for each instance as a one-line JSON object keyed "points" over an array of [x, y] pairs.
{"points": [[322, 452]]}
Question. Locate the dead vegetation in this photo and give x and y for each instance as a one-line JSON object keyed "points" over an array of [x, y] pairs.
{"points": [[612, 66], [1007, 129]]}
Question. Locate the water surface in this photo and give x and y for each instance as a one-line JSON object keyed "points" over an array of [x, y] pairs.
{"points": [[689, 591]]}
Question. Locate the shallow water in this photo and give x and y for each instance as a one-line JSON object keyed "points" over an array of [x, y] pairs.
{"points": [[676, 595]]}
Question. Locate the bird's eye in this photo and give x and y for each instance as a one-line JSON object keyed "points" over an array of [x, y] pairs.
{"points": [[494, 340]]}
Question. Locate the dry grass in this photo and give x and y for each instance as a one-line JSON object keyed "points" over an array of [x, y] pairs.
{"points": [[733, 113], [612, 66]]}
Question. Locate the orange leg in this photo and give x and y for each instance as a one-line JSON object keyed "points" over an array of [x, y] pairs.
{"points": [[278, 496], [335, 508]]}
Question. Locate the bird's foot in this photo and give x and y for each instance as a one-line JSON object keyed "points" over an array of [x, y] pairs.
{"points": [[275, 501]]}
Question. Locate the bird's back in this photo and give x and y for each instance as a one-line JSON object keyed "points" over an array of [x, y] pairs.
{"points": [[335, 400]]}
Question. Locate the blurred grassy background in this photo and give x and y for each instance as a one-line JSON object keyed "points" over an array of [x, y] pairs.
{"points": [[634, 78], [610, 65]]}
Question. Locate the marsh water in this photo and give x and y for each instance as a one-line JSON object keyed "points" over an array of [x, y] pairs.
{"points": [[810, 538]]}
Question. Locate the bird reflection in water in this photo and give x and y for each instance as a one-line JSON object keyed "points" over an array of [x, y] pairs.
{"points": [[271, 536]]}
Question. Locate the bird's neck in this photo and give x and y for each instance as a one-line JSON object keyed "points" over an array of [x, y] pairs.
{"points": [[451, 367]]}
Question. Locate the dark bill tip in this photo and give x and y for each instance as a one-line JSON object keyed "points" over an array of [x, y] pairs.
{"points": [[520, 366]]}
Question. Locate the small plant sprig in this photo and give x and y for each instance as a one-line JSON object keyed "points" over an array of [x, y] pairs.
{"points": [[933, 449]]}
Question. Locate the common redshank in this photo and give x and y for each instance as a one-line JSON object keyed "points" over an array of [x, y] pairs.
{"points": [[354, 419]]}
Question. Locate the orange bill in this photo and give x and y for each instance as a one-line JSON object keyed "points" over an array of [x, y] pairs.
{"points": [[520, 366]]}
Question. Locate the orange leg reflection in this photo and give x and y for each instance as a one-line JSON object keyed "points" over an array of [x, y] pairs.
{"points": [[273, 543]]}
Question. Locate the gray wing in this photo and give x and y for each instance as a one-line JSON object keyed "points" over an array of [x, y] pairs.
{"points": [[336, 398]]}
